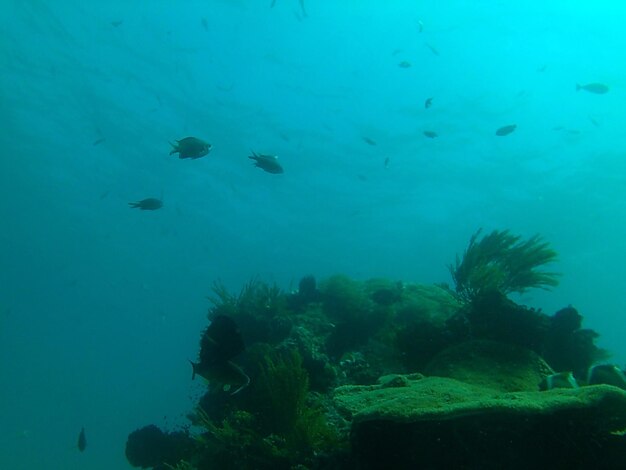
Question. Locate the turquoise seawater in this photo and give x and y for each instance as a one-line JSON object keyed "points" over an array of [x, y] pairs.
{"points": [[102, 305]]}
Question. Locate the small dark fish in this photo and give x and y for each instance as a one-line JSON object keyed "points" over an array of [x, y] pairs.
{"points": [[82, 440], [304, 13], [99, 141], [387, 161], [506, 130], [430, 134], [432, 49], [205, 24], [420, 26], [404, 64], [116, 23], [273, 3], [267, 163], [597, 88], [428, 103], [594, 121], [190, 147], [149, 204], [369, 141]]}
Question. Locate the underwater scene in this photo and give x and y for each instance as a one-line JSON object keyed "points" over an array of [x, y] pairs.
{"points": [[312, 234]]}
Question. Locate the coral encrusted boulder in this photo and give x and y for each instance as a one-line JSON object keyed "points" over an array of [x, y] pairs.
{"points": [[440, 423]]}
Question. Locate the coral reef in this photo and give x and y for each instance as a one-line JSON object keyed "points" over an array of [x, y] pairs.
{"points": [[330, 376]]}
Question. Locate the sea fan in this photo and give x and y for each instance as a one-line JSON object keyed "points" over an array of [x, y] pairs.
{"points": [[502, 262]]}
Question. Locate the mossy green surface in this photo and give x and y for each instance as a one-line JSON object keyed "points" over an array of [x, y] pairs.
{"points": [[409, 400], [500, 366], [427, 302]]}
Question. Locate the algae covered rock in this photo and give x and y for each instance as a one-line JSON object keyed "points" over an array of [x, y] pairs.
{"points": [[492, 364], [436, 422], [423, 302]]}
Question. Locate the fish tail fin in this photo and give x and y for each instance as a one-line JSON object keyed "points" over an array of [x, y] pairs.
{"points": [[193, 369], [578, 87], [174, 148], [134, 205]]}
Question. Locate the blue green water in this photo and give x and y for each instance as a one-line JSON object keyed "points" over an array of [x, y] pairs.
{"points": [[101, 305]]}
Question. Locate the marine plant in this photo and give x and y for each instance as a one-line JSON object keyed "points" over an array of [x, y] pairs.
{"points": [[281, 391], [502, 262], [260, 310], [276, 425]]}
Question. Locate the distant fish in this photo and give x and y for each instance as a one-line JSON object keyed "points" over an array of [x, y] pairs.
{"points": [[205, 24], [597, 88], [117, 23], [98, 141], [506, 130], [608, 374], [542, 68], [558, 380], [304, 13], [428, 103], [82, 440], [432, 49], [420, 26], [149, 204], [190, 147], [369, 141], [430, 134], [387, 161], [404, 64], [267, 163], [594, 121]]}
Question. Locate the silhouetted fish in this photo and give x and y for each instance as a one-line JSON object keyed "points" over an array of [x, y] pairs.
{"points": [[506, 130], [82, 440], [428, 103], [430, 134], [597, 88], [369, 141], [149, 204], [432, 49], [267, 163], [190, 147]]}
